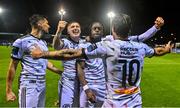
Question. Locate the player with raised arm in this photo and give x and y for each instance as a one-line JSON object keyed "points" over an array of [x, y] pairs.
{"points": [[158, 23], [96, 35], [69, 84], [124, 60], [92, 70]]}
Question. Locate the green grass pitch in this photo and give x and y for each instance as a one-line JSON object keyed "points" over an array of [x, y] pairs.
{"points": [[160, 84]]}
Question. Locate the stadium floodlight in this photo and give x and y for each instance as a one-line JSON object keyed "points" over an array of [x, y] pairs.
{"points": [[111, 15], [62, 12], [1, 10]]}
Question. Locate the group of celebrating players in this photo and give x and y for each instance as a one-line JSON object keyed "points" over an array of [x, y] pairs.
{"points": [[99, 71]]}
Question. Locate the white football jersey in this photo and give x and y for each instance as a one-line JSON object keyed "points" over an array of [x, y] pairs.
{"points": [[124, 60]]}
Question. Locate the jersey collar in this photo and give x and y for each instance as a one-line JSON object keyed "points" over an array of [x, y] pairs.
{"points": [[34, 36], [73, 40]]}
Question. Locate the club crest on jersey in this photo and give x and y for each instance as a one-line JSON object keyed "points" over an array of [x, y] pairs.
{"points": [[91, 47]]}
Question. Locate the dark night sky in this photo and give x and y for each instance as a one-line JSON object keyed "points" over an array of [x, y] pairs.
{"points": [[143, 13]]}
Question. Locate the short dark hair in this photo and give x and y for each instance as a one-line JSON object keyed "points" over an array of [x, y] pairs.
{"points": [[122, 25], [90, 26], [35, 18], [95, 23], [72, 22]]}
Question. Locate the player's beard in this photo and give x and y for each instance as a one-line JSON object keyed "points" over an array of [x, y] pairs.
{"points": [[43, 34]]}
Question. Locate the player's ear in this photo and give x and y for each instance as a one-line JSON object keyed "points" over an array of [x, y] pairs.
{"points": [[39, 25]]}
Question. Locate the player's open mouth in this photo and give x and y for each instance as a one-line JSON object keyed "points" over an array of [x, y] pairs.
{"points": [[76, 31]]}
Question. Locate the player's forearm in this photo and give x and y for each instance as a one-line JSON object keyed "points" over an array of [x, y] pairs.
{"points": [[52, 68], [10, 76], [65, 54], [146, 35], [82, 79], [56, 41], [55, 70], [161, 51], [54, 55], [80, 71]]}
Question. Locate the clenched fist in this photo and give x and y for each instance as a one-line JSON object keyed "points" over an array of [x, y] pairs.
{"points": [[61, 26], [159, 22]]}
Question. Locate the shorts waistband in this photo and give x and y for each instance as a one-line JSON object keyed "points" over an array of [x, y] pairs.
{"points": [[37, 77], [34, 81]]}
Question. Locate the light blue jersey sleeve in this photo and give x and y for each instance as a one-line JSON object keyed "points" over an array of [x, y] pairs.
{"points": [[17, 50], [145, 36], [108, 38], [97, 50], [149, 52], [66, 43]]}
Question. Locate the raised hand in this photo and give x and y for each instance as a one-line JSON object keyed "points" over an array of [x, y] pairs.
{"points": [[159, 22], [61, 26]]}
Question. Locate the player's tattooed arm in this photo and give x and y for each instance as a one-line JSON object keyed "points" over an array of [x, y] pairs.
{"points": [[64, 54], [80, 65], [54, 69], [10, 96], [57, 42], [159, 51]]}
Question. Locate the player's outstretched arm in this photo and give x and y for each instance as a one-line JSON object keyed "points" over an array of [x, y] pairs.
{"points": [[80, 65], [159, 51], [54, 69], [10, 96], [57, 42], [64, 54], [158, 23]]}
